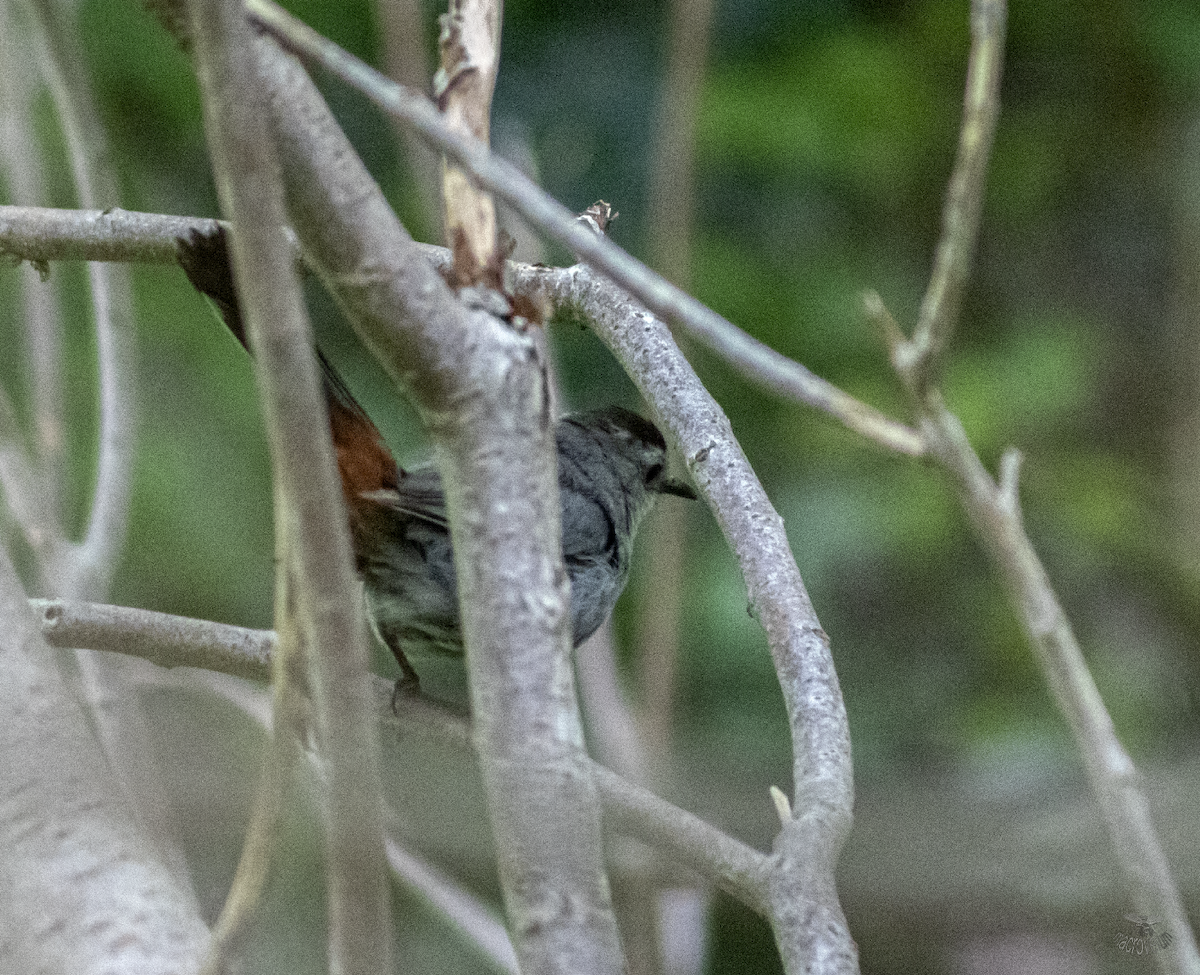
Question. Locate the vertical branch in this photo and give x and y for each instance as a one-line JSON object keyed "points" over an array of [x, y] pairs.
{"points": [[481, 390], [470, 58], [284, 734], [309, 512], [677, 919], [406, 61], [31, 479], [672, 206]]}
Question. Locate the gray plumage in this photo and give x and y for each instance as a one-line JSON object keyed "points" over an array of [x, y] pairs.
{"points": [[611, 467]]}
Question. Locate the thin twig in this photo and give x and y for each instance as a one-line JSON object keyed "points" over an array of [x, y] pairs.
{"points": [[755, 360], [964, 200]]}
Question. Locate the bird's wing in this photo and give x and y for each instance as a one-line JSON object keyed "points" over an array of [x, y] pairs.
{"points": [[417, 494]]}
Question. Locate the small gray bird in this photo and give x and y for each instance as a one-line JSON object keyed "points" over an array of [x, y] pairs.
{"points": [[611, 468]]}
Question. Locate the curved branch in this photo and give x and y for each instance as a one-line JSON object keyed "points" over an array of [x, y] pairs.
{"points": [[84, 570], [964, 200], [699, 430]]}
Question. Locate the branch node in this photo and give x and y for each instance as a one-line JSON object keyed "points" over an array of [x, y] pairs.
{"points": [[598, 216]]}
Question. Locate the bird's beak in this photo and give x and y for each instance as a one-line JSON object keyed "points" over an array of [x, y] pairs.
{"points": [[668, 485]]}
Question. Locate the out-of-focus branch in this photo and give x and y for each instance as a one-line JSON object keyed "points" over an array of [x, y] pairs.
{"points": [[919, 358], [84, 570], [164, 640], [81, 889], [994, 512], [650, 925], [752, 358], [318, 610], [672, 204], [32, 479], [672, 179], [406, 60]]}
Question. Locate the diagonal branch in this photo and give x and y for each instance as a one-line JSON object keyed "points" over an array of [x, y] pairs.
{"points": [[755, 360]]}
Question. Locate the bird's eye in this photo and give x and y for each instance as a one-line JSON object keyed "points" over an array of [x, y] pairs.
{"points": [[654, 473]]}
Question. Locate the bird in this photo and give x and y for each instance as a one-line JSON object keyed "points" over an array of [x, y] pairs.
{"points": [[612, 466]]}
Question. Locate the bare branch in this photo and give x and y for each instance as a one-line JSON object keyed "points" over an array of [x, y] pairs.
{"points": [[41, 234], [1113, 778], [469, 46], [699, 430], [164, 640], [84, 570], [319, 608], [31, 479], [480, 387], [405, 58]]}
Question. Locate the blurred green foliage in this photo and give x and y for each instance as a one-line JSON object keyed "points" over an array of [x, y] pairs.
{"points": [[826, 135]]}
